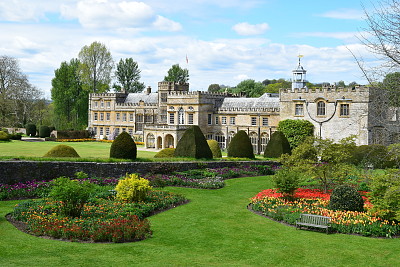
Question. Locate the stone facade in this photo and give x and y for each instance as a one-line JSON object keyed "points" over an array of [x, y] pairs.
{"points": [[159, 119]]}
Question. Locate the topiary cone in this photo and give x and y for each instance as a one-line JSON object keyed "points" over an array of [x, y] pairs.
{"points": [[193, 144], [240, 146], [277, 145], [123, 147]]}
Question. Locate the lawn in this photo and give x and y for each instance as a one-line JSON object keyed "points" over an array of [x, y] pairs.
{"points": [[38, 149], [214, 229]]}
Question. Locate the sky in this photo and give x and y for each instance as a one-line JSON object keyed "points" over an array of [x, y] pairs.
{"points": [[218, 41]]}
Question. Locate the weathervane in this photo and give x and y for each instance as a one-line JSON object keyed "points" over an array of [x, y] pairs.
{"points": [[300, 56]]}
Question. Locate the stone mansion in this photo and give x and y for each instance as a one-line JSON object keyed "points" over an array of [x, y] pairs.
{"points": [[159, 119]]}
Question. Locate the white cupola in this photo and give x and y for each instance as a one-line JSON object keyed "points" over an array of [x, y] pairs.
{"points": [[299, 76]]}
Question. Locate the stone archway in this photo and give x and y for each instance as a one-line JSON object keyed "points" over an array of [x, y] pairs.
{"points": [[169, 141], [159, 142]]}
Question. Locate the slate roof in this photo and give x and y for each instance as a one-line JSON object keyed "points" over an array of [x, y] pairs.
{"points": [[265, 101], [135, 98]]}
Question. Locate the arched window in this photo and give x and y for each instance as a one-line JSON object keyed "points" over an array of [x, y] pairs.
{"points": [[181, 116], [230, 136], [321, 108], [254, 141], [151, 141], [264, 141], [220, 138]]}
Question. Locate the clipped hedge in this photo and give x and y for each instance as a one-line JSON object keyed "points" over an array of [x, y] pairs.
{"points": [[4, 136], [277, 145], [30, 129], [165, 153], [73, 134], [215, 149], [61, 151], [123, 147], [44, 131], [345, 197], [193, 144], [240, 146]]}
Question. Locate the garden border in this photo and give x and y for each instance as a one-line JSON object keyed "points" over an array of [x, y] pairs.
{"points": [[21, 171]]}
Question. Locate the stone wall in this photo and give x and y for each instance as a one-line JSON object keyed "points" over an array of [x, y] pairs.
{"points": [[20, 171]]}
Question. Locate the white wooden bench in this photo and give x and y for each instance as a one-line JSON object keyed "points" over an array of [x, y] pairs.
{"points": [[312, 220]]}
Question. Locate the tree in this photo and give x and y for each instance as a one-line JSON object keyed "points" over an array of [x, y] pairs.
{"points": [[17, 95], [128, 75], [214, 87], [250, 87], [391, 84], [177, 74], [296, 130], [96, 67], [70, 99]]}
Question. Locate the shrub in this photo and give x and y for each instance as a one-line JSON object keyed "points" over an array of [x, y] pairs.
{"points": [[30, 129], [4, 136], [72, 194], [44, 131], [277, 146], [215, 149], [73, 134], [296, 130], [240, 146], [375, 155], [132, 188], [15, 136], [287, 181], [385, 194], [193, 144], [345, 197], [123, 147], [165, 153], [61, 151]]}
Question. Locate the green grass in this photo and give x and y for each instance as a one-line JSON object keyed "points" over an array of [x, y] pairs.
{"points": [[214, 229], [87, 150]]}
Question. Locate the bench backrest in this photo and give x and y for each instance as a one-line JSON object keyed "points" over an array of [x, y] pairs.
{"points": [[315, 219]]}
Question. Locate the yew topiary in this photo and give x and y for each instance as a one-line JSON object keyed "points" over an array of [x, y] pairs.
{"points": [[123, 147], [61, 151], [30, 129], [240, 146], [345, 197], [215, 149], [193, 144], [44, 131], [165, 153], [277, 146]]}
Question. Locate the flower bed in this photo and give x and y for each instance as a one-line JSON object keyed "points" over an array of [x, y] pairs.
{"points": [[102, 220], [311, 201]]}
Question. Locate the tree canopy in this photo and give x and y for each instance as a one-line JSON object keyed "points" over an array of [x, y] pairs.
{"points": [[70, 99], [177, 74], [128, 75], [18, 96], [250, 87], [96, 67]]}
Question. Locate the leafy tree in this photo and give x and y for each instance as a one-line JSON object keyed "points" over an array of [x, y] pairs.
{"points": [[296, 130], [128, 75], [17, 95], [177, 74], [70, 99], [214, 88], [96, 67], [250, 88]]}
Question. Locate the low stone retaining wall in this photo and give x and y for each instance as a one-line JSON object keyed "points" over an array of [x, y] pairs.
{"points": [[20, 171]]}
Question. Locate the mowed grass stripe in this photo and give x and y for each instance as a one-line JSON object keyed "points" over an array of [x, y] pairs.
{"points": [[214, 229]]}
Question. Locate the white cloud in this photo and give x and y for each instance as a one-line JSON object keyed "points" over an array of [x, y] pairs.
{"points": [[241, 77], [245, 28], [344, 13], [109, 14], [26, 10]]}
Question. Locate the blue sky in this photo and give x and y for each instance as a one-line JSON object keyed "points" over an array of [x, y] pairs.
{"points": [[225, 41]]}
